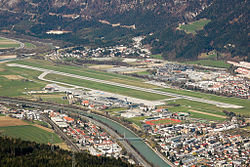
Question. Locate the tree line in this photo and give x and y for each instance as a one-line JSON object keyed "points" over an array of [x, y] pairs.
{"points": [[16, 152]]}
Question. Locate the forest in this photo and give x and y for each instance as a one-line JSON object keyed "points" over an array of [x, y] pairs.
{"points": [[16, 152], [227, 32]]}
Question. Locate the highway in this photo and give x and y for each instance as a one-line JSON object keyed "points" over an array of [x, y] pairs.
{"points": [[47, 71]]}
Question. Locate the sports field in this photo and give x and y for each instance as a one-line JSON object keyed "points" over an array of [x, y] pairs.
{"points": [[7, 44], [194, 26], [30, 133]]}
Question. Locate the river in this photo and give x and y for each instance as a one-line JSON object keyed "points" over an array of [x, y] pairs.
{"points": [[140, 145]]}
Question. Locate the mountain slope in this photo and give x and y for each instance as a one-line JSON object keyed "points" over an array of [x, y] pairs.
{"points": [[109, 22]]}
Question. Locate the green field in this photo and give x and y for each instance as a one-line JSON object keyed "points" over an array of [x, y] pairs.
{"points": [[6, 44], [229, 100], [212, 63], [30, 133], [105, 87], [88, 73], [143, 73], [52, 97], [29, 45], [157, 56], [115, 109], [194, 26], [186, 106], [204, 116], [17, 87], [137, 120]]}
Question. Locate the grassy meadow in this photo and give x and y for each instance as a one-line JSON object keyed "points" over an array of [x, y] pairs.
{"points": [[30, 133], [230, 100], [27, 81], [194, 26], [211, 63]]}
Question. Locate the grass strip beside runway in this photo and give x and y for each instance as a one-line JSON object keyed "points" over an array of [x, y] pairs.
{"points": [[106, 87]]}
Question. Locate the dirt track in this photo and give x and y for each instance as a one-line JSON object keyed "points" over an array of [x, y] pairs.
{"points": [[13, 77], [205, 113], [44, 128]]}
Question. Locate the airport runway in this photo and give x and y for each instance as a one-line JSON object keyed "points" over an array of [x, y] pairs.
{"points": [[47, 71]]}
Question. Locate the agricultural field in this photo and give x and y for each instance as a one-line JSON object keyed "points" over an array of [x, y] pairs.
{"points": [[7, 44], [193, 27], [30, 133], [8, 121], [212, 63], [105, 87]]}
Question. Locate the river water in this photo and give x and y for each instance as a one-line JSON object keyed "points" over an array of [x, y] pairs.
{"points": [[140, 145]]}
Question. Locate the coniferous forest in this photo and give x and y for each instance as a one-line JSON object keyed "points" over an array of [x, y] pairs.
{"points": [[16, 152], [157, 20]]}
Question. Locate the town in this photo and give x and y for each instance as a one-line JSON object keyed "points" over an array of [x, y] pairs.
{"points": [[185, 141], [134, 49], [85, 134], [186, 76]]}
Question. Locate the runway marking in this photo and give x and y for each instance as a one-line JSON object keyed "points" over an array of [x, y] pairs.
{"points": [[218, 104]]}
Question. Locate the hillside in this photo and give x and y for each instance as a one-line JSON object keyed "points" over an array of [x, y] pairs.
{"points": [[109, 22], [15, 152]]}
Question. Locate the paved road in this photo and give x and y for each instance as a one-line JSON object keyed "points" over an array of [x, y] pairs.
{"points": [[63, 135], [125, 144], [47, 71]]}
